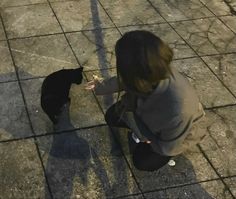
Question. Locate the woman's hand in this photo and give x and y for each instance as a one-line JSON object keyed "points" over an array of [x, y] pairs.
{"points": [[91, 85]]}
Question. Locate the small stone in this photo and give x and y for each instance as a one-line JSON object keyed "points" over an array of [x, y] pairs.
{"points": [[36, 111], [171, 163]]}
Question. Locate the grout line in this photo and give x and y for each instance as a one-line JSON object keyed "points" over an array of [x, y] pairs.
{"points": [[194, 51], [35, 36], [24, 5], [228, 177], [52, 133], [50, 5], [218, 107], [233, 12], [218, 17], [8, 81], [184, 185], [176, 186], [106, 28], [60, 33], [216, 77], [109, 17], [25, 105], [128, 195], [171, 187], [110, 68], [218, 174]]}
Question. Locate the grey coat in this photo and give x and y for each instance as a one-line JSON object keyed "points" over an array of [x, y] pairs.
{"points": [[168, 117]]}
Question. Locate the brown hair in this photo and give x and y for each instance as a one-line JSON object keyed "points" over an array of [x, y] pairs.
{"points": [[142, 60]]}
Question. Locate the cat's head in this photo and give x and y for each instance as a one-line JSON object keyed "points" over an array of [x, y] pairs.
{"points": [[77, 75]]}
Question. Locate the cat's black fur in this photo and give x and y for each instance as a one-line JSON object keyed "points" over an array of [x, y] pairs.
{"points": [[55, 90]]}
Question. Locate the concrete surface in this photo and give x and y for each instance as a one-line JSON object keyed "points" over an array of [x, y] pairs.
{"points": [[38, 37]]}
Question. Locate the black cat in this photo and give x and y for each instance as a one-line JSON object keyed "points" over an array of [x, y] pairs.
{"points": [[55, 90]]}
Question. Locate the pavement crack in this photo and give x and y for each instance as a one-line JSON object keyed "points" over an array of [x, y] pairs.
{"points": [[231, 8]]}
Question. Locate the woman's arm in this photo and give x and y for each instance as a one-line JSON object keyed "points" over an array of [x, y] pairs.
{"points": [[104, 87]]}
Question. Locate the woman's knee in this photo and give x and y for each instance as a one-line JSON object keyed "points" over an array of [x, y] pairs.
{"points": [[140, 165], [111, 116]]}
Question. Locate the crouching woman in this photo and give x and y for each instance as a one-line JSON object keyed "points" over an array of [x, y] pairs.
{"points": [[159, 105]]}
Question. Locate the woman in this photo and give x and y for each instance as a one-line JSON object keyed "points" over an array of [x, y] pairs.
{"points": [[159, 105]]}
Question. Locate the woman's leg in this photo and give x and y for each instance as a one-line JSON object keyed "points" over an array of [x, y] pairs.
{"points": [[113, 119], [145, 159]]}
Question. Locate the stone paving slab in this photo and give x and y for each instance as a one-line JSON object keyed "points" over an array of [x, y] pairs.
{"points": [[207, 36], [2, 34], [204, 81], [124, 12], [220, 145], [30, 20], [230, 21], [175, 10], [224, 66], [40, 56], [14, 122], [218, 7], [81, 15], [7, 71], [20, 170], [206, 190], [231, 182], [168, 35], [95, 49], [79, 165]]}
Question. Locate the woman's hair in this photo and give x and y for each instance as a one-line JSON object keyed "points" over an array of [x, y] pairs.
{"points": [[142, 60]]}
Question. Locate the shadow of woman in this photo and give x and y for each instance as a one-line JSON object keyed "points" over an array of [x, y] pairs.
{"points": [[70, 156]]}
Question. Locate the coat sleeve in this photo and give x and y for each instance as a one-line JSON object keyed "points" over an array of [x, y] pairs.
{"points": [[108, 86]]}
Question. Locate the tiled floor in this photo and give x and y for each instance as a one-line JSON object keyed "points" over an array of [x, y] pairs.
{"points": [[38, 37]]}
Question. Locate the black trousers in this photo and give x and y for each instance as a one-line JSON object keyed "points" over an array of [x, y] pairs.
{"points": [[144, 158]]}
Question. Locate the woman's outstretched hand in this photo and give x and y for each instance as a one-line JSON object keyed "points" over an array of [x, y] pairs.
{"points": [[91, 85]]}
